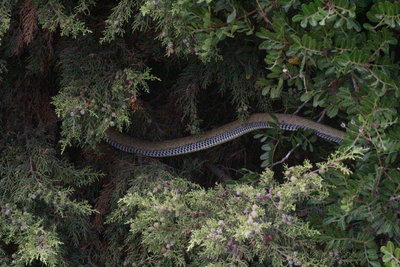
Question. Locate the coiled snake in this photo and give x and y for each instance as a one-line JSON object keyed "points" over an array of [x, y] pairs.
{"points": [[220, 135]]}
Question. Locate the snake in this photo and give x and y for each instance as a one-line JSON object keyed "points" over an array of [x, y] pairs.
{"points": [[220, 135]]}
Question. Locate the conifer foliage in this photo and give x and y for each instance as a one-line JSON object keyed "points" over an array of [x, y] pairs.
{"points": [[161, 69]]}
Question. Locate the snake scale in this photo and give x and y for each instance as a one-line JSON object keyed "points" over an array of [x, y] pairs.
{"points": [[220, 135]]}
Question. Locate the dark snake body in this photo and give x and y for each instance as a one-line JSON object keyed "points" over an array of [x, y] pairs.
{"points": [[215, 140]]}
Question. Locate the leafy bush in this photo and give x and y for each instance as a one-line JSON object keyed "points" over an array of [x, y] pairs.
{"points": [[178, 222]]}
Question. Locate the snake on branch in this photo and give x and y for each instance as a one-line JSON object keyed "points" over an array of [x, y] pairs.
{"points": [[220, 135]]}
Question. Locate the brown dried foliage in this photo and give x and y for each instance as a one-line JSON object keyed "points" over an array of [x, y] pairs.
{"points": [[27, 26], [102, 205]]}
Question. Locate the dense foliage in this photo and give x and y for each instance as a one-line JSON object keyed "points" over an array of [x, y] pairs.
{"points": [[160, 69]]}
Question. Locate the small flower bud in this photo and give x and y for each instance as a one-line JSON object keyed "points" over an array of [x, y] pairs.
{"points": [[254, 214]]}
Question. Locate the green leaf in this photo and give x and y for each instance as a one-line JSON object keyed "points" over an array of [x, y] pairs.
{"points": [[372, 254], [264, 156], [257, 136], [297, 18], [397, 253], [387, 258], [390, 247], [265, 91], [231, 16], [265, 163], [303, 23], [374, 263], [266, 147]]}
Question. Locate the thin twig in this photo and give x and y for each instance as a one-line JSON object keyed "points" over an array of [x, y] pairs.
{"points": [[284, 158], [239, 18], [355, 85], [321, 116], [300, 107], [263, 14], [31, 165], [394, 198]]}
